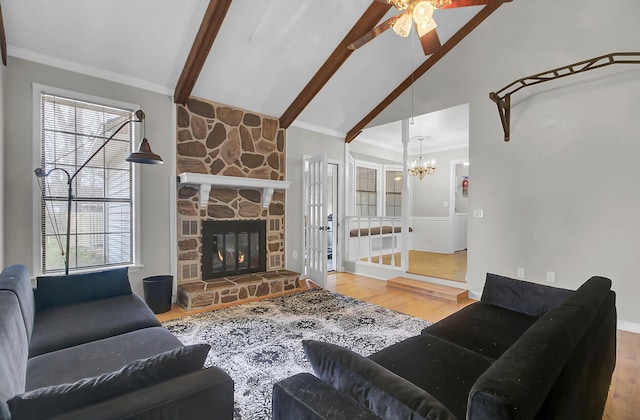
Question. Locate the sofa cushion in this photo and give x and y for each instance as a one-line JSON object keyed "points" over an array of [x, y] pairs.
{"points": [[15, 278], [442, 369], [522, 296], [65, 326], [55, 400], [13, 346], [485, 329], [371, 385], [55, 291], [97, 357]]}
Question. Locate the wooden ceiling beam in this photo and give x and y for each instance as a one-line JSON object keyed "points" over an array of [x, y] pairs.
{"points": [[211, 23], [3, 40], [366, 23], [424, 67]]}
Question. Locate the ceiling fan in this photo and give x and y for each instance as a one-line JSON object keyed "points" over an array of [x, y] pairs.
{"points": [[420, 13]]}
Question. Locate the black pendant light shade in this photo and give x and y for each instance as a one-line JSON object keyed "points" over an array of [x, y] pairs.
{"points": [[144, 154]]}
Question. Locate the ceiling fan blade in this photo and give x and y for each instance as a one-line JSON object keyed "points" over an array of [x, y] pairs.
{"points": [[465, 3], [373, 33], [430, 42]]}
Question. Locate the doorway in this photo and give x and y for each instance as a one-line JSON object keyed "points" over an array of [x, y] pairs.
{"points": [[332, 216]]}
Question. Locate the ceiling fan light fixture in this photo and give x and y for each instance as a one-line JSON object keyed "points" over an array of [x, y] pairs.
{"points": [[422, 12], [440, 3], [400, 4], [426, 27], [402, 26]]}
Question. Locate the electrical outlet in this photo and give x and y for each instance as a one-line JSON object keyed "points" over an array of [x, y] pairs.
{"points": [[551, 276], [294, 254], [478, 213], [520, 273]]}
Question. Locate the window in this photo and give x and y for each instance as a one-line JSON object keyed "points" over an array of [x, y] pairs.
{"points": [[366, 191], [393, 193], [102, 212]]}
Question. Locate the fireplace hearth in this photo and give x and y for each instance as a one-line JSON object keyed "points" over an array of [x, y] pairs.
{"points": [[230, 248]]}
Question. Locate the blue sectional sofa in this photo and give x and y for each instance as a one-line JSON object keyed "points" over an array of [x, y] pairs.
{"points": [[525, 351], [84, 346]]}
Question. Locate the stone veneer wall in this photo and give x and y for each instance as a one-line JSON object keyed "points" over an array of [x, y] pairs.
{"points": [[220, 140]]}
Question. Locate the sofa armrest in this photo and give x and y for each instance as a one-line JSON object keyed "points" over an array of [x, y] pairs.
{"points": [[305, 397], [205, 394], [522, 296]]}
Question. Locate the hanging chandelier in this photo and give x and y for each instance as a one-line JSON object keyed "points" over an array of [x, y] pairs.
{"points": [[422, 166]]}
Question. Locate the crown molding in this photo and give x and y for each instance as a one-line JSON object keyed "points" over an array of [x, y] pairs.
{"points": [[63, 64]]}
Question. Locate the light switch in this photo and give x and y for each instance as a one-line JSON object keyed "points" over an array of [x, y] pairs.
{"points": [[445, 204]]}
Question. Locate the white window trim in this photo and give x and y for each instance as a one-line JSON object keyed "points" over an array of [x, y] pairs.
{"points": [[380, 183], [385, 169], [370, 165], [37, 90]]}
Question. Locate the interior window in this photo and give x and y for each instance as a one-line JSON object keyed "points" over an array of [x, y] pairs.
{"points": [[366, 191], [393, 193]]}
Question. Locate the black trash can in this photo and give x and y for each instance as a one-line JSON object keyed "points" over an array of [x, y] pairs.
{"points": [[157, 293]]}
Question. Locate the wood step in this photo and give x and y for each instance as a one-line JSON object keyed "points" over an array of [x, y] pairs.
{"points": [[437, 291]]}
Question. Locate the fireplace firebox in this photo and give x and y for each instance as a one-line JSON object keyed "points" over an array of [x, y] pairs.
{"points": [[231, 248]]}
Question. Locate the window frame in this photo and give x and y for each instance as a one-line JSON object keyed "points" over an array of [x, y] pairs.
{"points": [[381, 187], [366, 165], [38, 91], [392, 168]]}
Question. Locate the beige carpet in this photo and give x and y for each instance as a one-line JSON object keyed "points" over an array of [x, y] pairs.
{"points": [[432, 264]]}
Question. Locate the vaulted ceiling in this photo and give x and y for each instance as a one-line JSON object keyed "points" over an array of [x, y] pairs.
{"points": [[284, 58]]}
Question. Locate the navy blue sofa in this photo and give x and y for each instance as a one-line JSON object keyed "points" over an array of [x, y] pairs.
{"points": [[525, 351], [84, 346]]}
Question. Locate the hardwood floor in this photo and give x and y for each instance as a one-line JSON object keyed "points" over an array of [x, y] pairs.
{"points": [[376, 291], [439, 265], [624, 395]]}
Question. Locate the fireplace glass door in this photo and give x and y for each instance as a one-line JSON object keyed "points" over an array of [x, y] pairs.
{"points": [[232, 248]]}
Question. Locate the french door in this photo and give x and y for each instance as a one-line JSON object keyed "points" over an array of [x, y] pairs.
{"points": [[316, 227]]}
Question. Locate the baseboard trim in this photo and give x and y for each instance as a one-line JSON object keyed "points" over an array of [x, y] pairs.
{"points": [[633, 327], [475, 295]]}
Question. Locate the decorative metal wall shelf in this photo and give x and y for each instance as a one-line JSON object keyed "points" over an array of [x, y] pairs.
{"points": [[502, 98]]}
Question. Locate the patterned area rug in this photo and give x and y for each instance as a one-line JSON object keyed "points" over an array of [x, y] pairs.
{"points": [[260, 343]]}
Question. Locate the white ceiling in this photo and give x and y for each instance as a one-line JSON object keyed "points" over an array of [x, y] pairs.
{"points": [[264, 55], [446, 129]]}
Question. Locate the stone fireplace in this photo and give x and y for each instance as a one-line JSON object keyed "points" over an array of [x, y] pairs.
{"points": [[222, 142]]}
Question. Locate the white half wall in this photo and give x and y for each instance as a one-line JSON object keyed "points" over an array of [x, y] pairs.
{"points": [[431, 234], [562, 195]]}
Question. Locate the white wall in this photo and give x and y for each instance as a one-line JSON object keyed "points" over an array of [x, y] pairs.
{"points": [[387, 155], [429, 194], [2, 165], [157, 181], [561, 196], [300, 143]]}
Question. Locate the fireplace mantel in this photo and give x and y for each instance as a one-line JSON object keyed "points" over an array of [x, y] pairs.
{"points": [[206, 181]]}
